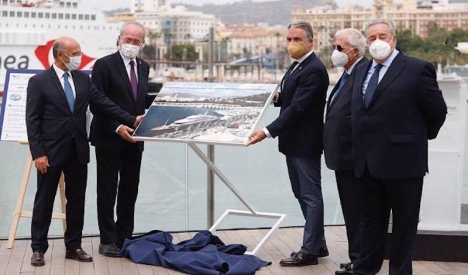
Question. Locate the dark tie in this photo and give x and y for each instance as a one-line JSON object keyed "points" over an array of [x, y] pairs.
{"points": [[372, 85], [290, 70], [68, 91], [342, 83], [133, 79]]}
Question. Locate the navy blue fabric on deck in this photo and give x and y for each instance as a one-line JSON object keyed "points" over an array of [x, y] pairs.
{"points": [[203, 254]]}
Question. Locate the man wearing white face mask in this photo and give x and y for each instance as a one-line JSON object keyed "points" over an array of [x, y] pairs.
{"points": [[57, 101], [299, 128], [396, 108], [123, 77], [349, 48]]}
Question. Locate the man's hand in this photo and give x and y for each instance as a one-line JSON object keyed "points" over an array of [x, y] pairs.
{"points": [[256, 136], [125, 133], [138, 120], [41, 164]]}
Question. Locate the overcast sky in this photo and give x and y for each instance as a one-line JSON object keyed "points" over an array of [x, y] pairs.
{"points": [[109, 5]]}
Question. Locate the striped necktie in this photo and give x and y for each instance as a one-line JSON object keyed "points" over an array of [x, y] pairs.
{"points": [[372, 85]]}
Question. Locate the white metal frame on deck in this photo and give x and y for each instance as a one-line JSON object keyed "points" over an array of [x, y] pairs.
{"points": [[252, 212]]}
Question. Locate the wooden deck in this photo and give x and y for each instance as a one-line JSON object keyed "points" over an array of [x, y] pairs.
{"points": [[17, 260]]}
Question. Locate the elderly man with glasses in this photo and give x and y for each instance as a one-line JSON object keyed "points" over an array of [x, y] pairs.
{"points": [[349, 48]]}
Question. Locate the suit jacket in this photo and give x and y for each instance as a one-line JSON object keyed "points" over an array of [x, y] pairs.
{"points": [[391, 135], [110, 76], [50, 124], [337, 138], [299, 125]]}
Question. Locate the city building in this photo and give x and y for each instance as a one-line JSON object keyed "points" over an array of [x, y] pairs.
{"points": [[252, 40], [410, 14]]}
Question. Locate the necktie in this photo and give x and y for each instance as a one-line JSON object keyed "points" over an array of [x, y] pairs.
{"points": [[372, 85], [342, 82], [291, 68], [289, 72], [133, 79], [68, 91]]}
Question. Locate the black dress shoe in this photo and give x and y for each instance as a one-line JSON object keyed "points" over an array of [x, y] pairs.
{"points": [[323, 252], [347, 268], [37, 258], [110, 250], [78, 255], [344, 272], [299, 259], [346, 265]]}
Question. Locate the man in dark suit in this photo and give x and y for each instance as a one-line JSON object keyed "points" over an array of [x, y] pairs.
{"points": [[299, 129], [349, 48], [57, 100], [397, 107], [123, 77]]}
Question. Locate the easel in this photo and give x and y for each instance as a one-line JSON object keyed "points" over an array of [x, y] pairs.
{"points": [[19, 203], [252, 212]]}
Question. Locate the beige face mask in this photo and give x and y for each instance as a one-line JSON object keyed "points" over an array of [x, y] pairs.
{"points": [[296, 50]]}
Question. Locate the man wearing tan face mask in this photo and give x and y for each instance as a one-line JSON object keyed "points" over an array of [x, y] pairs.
{"points": [[299, 129]]}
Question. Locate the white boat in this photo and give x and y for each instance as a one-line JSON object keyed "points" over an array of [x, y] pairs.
{"points": [[29, 28], [194, 119]]}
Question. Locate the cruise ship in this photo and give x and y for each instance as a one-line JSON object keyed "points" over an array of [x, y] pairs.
{"points": [[28, 29], [194, 119]]}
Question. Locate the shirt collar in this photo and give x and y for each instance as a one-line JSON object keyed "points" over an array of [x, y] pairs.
{"points": [[302, 58], [59, 71], [127, 60], [389, 59]]}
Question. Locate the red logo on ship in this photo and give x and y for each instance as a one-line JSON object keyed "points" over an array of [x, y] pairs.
{"points": [[42, 53]]}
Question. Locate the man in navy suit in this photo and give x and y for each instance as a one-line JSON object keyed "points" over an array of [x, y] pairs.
{"points": [[57, 100], [397, 107], [299, 129], [349, 48], [123, 77]]}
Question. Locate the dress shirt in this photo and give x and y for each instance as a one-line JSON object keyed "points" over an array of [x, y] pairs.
{"points": [[60, 73], [382, 72]]}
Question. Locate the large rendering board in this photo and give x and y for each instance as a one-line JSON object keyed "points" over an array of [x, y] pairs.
{"points": [[212, 113]]}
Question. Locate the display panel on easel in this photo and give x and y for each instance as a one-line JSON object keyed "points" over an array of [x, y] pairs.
{"points": [[212, 113]]}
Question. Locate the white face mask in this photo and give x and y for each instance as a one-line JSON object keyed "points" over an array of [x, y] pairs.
{"points": [[130, 51], [75, 62], [380, 49], [339, 59]]}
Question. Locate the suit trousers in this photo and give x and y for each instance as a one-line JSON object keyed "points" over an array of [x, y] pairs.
{"points": [[305, 177], [350, 199], [118, 177], [380, 196], [75, 188]]}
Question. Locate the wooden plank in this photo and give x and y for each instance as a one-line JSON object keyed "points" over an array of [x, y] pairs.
{"points": [[87, 268], [5, 255], [433, 266], [115, 266], [58, 258], [100, 261], [15, 260]]}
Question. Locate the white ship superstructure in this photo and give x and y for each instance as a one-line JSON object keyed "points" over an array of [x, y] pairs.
{"points": [[194, 119], [28, 29]]}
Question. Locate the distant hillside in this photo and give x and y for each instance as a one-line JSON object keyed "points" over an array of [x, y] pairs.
{"points": [[273, 12]]}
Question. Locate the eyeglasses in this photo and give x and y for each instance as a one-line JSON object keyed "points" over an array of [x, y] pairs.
{"points": [[338, 47]]}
